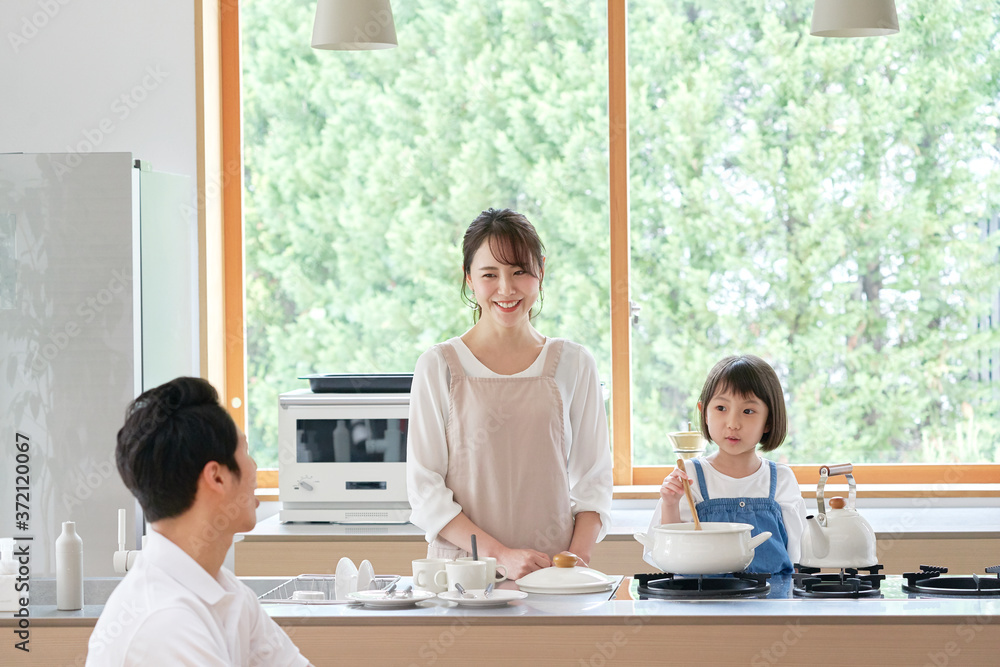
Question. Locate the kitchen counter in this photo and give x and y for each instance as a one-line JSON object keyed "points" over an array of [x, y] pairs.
{"points": [[594, 630], [909, 535]]}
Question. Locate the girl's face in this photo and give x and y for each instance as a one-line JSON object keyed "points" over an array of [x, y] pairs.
{"points": [[736, 423], [506, 293]]}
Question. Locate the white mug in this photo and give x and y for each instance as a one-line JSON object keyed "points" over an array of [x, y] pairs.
{"points": [[424, 570], [470, 573], [491, 569]]}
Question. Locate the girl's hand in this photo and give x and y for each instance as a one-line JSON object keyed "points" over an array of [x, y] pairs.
{"points": [[671, 492], [673, 488], [520, 562]]}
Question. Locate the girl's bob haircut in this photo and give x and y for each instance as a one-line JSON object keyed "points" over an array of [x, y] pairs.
{"points": [[746, 374]]}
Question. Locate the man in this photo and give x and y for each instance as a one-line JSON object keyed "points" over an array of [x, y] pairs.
{"points": [[183, 458]]}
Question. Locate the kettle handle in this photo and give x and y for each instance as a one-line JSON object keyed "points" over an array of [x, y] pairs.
{"points": [[825, 471], [837, 469]]}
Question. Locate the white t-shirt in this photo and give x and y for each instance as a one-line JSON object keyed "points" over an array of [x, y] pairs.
{"points": [[169, 611], [585, 427], [757, 485]]}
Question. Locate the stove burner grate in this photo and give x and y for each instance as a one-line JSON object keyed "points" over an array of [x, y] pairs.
{"points": [[669, 585], [848, 583], [928, 581]]}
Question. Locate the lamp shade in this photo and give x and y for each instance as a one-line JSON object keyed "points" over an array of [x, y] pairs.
{"points": [[353, 25], [854, 18]]}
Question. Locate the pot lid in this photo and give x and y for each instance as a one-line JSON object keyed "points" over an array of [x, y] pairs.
{"points": [[568, 578]]}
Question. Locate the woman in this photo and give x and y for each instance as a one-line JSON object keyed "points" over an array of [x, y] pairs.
{"points": [[508, 438]]}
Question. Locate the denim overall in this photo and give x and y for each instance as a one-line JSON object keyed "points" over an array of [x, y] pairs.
{"points": [[761, 513]]}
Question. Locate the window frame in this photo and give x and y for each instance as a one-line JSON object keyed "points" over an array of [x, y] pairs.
{"points": [[220, 199]]}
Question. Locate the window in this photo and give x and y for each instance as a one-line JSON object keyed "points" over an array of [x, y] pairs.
{"points": [[362, 171], [824, 203]]}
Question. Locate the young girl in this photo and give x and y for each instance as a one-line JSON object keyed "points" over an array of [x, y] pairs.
{"points": [[741, 406]]}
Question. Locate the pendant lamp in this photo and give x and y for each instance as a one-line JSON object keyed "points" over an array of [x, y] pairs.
{"points": [[353, 25], [854, 18]]}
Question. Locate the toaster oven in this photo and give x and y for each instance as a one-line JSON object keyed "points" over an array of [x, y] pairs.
{"points": [[342, 457]]}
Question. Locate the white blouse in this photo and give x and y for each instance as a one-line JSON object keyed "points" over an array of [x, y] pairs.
{"points": [[585, 425], [757, 485]]}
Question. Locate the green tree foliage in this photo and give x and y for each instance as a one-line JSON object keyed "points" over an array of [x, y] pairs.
{"points": [[817, 202], [364, 169], [814, 201]]}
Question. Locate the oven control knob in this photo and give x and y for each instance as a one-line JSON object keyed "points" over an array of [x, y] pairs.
{"points": [[305, 485]]}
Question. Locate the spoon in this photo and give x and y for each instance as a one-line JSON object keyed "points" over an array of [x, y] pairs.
{"points": [[475, 552], [461, 589], [489, 590], [687, 494]]}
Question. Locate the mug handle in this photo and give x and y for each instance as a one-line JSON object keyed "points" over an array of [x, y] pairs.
{"points": [[417, 579], [501, 577], [443, 584]]}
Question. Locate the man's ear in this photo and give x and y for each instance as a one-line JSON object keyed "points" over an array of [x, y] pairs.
{"points": [[212, 477]]}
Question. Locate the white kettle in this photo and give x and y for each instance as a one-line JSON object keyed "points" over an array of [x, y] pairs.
{"points": [[840, 537]]}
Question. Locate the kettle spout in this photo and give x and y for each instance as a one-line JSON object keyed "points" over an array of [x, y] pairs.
{"points": [[816, 542]]}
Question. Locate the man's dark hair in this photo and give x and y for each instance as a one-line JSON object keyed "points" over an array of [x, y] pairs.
{"points": [[170, 433]]}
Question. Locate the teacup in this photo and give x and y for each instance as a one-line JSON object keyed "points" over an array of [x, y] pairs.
{"points": [[424, 570], [470, 573], [491, 569]]}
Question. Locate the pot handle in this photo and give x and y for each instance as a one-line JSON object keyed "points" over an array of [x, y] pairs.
{"points": [[758, 540], [644, 540]]}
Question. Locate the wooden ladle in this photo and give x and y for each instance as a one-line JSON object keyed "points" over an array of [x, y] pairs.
{"points": [[687, 494]]}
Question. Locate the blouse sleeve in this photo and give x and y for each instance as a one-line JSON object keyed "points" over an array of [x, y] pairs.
{"points": [[590, 472], [793, 510], [432, 503]]}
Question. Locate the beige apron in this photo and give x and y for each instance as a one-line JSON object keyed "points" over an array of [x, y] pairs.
{"points": [[507, 457]]}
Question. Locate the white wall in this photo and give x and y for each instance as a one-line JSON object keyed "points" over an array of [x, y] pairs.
{"points": [[83, 76], [104, 75]]}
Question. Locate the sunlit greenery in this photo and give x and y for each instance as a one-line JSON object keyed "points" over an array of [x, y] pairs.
{"points": [[822, 203]]}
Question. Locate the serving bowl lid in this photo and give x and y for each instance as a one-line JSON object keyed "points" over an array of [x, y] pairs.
{"points": [[560, 578]]}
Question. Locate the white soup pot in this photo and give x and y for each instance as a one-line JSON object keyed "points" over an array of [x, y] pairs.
{"points": [[717, 548]]}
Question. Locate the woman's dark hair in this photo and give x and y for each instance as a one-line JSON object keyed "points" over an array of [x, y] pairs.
{"points": [[748, 375], [170, 433], [513, 240]]}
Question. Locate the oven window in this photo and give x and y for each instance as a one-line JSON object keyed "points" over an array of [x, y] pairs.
{"points": [[350, 440]]}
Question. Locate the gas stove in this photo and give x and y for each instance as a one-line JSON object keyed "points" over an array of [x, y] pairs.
{"points": [[808, 584]]}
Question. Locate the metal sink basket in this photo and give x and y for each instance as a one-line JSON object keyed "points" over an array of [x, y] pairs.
{"points": [[325, 583]]}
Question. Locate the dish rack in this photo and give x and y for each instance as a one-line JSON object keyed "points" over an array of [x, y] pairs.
{"points": [[325, 583]]}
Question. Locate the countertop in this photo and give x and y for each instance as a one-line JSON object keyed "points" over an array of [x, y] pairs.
{"points": [[574, 609], [914, 520]]}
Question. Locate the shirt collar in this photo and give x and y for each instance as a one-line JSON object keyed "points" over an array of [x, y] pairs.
{"points": [[159, 551]]}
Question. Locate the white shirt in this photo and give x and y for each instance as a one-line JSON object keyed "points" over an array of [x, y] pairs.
{"points": [[169, 611], [584, 423], [757, 485]]}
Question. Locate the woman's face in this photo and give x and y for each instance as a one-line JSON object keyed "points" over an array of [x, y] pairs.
{"points": [[506, 293]]}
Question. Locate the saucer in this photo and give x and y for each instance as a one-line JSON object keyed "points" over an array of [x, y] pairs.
{"points": [[378, 599], [497, 598]]}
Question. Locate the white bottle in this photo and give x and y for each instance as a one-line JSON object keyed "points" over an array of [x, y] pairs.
{"points": [[8, 576], [69, 569]]}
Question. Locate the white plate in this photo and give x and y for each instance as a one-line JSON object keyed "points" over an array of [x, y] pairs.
{"points": [[366, 575], [497, 598], [569, 590], [347, 578], [377, 599]]}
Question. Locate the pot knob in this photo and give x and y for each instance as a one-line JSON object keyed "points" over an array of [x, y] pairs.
{"points": [[837, 503], [565, 559]]}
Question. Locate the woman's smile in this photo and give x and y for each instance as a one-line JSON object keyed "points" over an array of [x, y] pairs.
{"points": [[507, 306]]}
